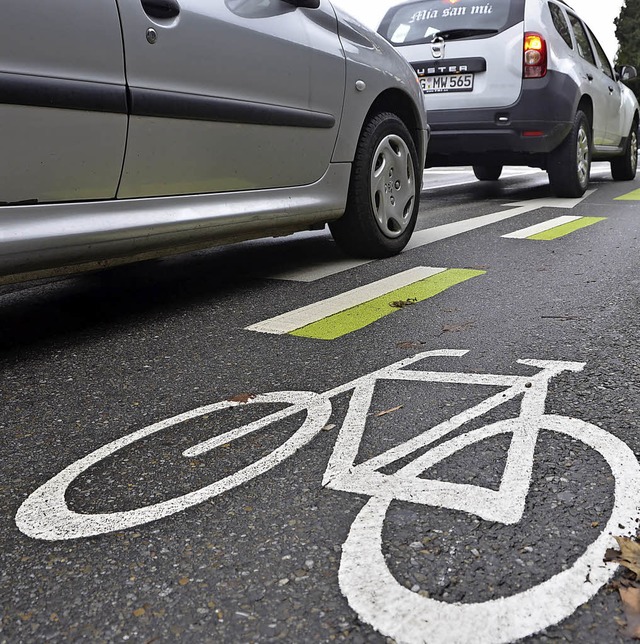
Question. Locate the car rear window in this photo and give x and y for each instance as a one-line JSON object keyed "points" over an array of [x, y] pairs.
{"points": [[419, 22], [560, 23]]}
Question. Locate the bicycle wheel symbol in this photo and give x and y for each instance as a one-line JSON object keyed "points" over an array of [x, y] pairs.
{"points": [[380, 600]]}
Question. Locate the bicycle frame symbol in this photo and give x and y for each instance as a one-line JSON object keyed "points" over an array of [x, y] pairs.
{"points": [[365, 580]]}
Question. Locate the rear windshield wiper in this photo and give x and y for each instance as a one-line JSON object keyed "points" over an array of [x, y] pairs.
{"points": [[456, 34]]}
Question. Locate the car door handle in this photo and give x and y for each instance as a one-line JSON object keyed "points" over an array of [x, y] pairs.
{"points": [[161, 9]]}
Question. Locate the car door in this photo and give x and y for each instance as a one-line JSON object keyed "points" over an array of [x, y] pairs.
{"points": [[593, 80], [63, 109], [615, 113], [229, 94]]}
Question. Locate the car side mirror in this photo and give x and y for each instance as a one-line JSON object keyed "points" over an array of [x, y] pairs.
{"points": [[627, 72], [307, 4]]}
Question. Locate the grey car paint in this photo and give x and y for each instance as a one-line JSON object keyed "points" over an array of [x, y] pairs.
{"points": [[61, 50], [213, 52], [268, 153]]}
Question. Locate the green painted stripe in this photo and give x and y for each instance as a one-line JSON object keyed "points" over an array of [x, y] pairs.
{"points": [[565, 229], [357, 317], [630, 196]]}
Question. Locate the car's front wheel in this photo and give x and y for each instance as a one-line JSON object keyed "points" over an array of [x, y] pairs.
{"points": [[569, 165], [624, 168], [384, 191], [487, 172]]}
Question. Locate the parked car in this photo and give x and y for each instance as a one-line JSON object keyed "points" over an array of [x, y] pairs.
{"points": [[518, 82], [136, 128]]}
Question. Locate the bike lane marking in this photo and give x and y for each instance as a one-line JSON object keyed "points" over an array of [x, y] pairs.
{"points": [[554, 228], [393, 610], [426, 236], [342, 314], [431, 235], [370, 588], [634, 195], [46, 515]]}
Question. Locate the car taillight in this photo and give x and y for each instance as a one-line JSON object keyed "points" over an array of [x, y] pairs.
{"points": [[535, 55]]}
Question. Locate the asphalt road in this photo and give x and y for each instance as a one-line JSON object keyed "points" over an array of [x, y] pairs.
{"points": [[398, 507]]}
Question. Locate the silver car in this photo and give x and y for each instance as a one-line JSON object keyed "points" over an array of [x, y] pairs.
{"points": [[518, 82], [137, 128]]}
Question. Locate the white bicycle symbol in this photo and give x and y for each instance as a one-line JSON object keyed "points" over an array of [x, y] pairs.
{"points": [[365, 580]]}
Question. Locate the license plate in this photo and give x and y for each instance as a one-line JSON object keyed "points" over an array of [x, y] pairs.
{"points": [[447, 83]]}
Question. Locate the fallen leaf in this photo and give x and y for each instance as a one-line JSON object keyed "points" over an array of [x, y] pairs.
{"points": [[241, 398], [628, 556], [139, 612], [328, 428], [631, 603], [398, 304], [183, 581], [410, 345], [388, 411]]}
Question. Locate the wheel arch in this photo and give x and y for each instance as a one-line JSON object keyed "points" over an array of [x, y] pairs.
{"points": [[585, 104], [396, 101]]}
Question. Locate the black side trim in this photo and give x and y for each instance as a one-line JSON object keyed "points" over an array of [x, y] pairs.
{"points": [[449, 66], [149, 102], [39, 91]]}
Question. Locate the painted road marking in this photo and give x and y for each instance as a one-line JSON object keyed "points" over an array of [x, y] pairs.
{"points": [[428, 236], [339, 324], [438, 233], [554, 228], [630, 196], [355, 309], [372, 590], [319, 270]]}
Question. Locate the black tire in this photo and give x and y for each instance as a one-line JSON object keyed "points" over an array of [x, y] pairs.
{"points": [[569, 165], [624, 168], [487, 172], [384, 191]]}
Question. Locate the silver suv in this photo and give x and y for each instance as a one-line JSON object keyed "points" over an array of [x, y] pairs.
{"points": [[518, 82]]}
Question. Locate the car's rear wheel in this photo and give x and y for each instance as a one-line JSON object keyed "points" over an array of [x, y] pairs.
{"points": [[624, 168], [569, 165], [384, 191], [487, 172]]}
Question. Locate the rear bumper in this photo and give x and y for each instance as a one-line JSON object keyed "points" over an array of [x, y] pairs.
{"points": [[519, 133]]}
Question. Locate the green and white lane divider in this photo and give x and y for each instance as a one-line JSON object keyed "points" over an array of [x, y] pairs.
{"points": [[554, 228], [630, 196], [355, 309]]}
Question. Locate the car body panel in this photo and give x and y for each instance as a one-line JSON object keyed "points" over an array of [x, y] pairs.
{"points": [[47, 239], [63, 116], [500, 82], [191, 131], [366, 52]]}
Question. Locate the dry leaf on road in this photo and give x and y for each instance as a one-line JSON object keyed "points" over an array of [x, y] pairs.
{"points": [[241, 398], [398, 304], [631, 604], [388, 411], [629, 555]]}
